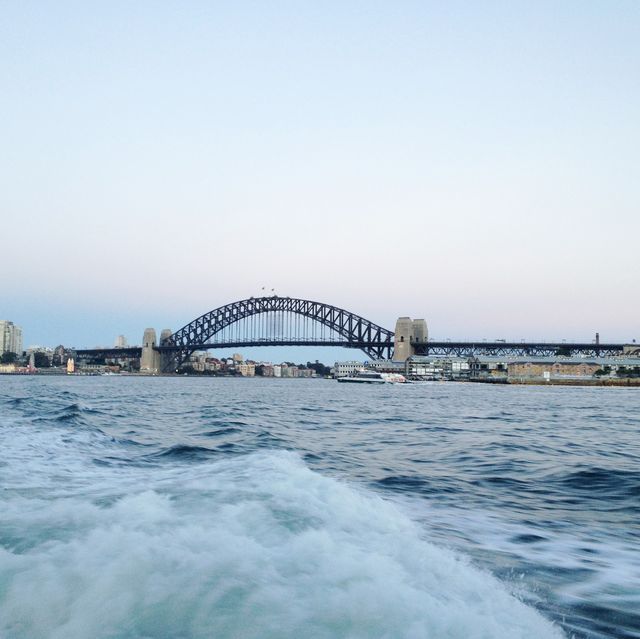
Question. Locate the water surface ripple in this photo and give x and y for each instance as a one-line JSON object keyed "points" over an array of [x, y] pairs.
{"points": [[156, 507]]}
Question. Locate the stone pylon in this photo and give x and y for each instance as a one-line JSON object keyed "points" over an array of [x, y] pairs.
{"points": [[403, 340], [408, 333], [167, 360], [420, 331], [150, 359]]}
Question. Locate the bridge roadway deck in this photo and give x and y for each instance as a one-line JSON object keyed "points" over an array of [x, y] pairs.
{"points": [[518, 349], [281, 342], [431, 348]]}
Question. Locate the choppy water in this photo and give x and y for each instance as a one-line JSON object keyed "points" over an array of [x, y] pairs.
{"points": [[233, 508]]}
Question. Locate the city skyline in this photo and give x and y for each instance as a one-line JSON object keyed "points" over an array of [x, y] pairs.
{"points": [[475, 166]]}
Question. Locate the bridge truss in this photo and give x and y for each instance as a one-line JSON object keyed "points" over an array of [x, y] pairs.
{"points": [[518, 349], [276, 321]]}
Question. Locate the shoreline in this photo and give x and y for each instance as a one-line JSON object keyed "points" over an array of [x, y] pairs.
{"points": [[627, 382]]}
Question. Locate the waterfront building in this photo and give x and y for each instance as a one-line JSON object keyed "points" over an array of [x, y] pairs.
{"points": [[60, 356], [345, 369], [10, 337], [387, 366], [212, 364], [572, 368], [551, 368], [488, 367], [246, 369], [432, 367]]}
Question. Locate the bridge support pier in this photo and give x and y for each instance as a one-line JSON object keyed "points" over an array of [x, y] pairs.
{"points": [[167, 362], [150, 359], [408, 334]]}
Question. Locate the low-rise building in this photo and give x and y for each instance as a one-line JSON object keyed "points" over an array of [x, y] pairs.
{"points": [[437, 367], [246, 369], [345, 369], [387, 366], [552, 368], [212, 364], [495, 368]]}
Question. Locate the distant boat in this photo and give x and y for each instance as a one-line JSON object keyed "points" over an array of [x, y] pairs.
{"points": [[373, 377]]}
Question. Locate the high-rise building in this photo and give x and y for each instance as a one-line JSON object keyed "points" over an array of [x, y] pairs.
{"points": [[121, 342], [10, 337]]}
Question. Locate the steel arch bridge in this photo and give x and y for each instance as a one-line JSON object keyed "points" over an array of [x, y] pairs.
{"points": [[275, 321]]}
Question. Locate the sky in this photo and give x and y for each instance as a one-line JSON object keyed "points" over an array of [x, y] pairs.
{"points": [[475, 164]]}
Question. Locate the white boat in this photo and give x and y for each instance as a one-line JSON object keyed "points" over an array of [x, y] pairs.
{"points": [[373, 377]]}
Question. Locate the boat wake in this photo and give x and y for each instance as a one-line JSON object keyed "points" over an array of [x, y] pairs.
{"points": [[258, 546]]}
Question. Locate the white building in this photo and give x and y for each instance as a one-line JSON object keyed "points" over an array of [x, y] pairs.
{"points": [[344, 369], [10, 337]]}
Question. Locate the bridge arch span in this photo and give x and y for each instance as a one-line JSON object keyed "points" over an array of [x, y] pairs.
{"points": [[353, 330]]}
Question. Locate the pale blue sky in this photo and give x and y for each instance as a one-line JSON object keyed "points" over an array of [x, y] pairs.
{"points": [[472, 163]]}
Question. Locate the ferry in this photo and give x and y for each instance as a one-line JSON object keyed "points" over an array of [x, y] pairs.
{"points": [[373, 377]]}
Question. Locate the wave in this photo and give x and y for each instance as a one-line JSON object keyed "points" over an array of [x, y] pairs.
{"points": [[404, 482], [67, 415], [184, 452], [16, 401], [258, 547], [597, 483], [220, 432], [603, 480]]}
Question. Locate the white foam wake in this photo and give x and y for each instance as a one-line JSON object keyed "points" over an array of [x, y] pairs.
{"points": [[256, 547]]}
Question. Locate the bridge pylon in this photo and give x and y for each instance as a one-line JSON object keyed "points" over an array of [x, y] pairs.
{"points": [[167, 361], [150, 359], [408, 334]]}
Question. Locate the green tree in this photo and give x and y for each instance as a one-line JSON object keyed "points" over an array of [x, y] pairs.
{"points": [[41, 360], [8, 358], [319, 368]]}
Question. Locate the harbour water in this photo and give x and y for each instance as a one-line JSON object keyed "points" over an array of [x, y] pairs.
{"points": [[256, 508]]}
